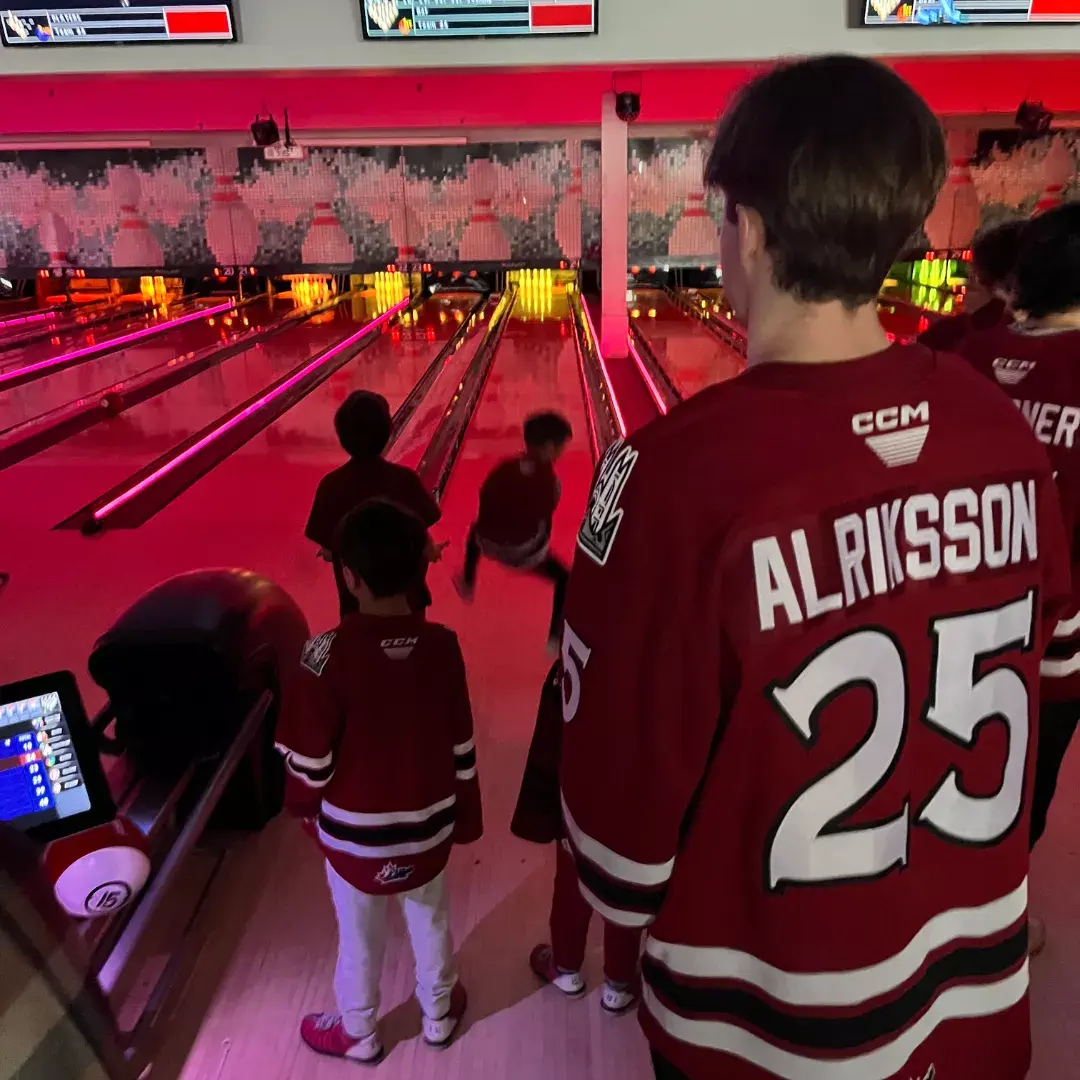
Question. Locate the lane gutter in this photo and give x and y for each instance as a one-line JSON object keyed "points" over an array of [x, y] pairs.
{"points": [[720, 326], [147, 491], [601, 408], [658, 381], [442, 451]]}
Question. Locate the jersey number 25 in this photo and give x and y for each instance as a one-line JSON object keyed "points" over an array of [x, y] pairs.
{"points": [[808, 845]]}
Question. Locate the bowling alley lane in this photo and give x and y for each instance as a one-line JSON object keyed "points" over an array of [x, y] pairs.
{"points": [[270, 481], [691, 355], [536, 368], [69, 339], [57, 482], [96, 375]]}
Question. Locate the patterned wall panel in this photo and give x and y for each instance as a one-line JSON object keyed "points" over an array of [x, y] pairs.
{"points": [[673, 220], [102, 208]]}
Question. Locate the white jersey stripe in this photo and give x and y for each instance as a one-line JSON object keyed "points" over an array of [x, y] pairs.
{"points": [[634, 919], [840, 989], [383, 851], [645, 875], [1067, 627], [466, 774], [956, 1003], [313, 763], [1060, 669], [464, 748], [395, 817]]}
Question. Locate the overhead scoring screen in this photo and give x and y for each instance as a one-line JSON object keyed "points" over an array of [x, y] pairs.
{"points": [[386, 20], [962, 12], [115, 22]]}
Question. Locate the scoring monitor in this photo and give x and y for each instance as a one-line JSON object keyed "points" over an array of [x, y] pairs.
{"points": [[915, 13], [51, 781], [385, 20], [115, 22]]}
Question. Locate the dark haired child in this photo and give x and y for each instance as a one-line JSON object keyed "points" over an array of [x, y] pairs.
{"points": [[1037, 362], [989, 296], [376, 731], [363, 425], [538, 819], [517, 504]]}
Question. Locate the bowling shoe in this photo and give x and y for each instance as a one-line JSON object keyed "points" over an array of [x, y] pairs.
{"points": [[325, 1034], [439, 1033]]}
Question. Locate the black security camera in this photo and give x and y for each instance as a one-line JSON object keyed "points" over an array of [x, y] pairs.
{"points": [[265, 131], [627, 106]]}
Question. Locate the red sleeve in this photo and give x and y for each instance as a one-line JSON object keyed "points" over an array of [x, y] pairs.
{"points": [[469, 825], [946, 334], [321, 524], [641, 700], [309, 728]]}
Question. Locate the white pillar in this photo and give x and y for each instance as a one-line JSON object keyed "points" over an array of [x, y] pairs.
{"points": [[615, 214]]}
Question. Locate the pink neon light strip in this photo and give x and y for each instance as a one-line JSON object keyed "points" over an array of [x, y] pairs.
{"points": [[126, 339], [654, 390], [20, 320], [604, 369], [271, 395]]}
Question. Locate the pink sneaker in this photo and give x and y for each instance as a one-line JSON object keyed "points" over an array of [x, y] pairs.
{"points": [[326, 1034], [439, 1033], [542, 962]]}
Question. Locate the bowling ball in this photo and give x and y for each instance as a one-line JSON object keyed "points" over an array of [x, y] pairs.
{"points": [[98, 871], [112, 403]]}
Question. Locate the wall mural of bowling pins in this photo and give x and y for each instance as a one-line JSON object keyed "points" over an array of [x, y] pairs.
{"points": [[365, 208]]}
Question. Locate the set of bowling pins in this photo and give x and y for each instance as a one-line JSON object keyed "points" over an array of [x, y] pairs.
{"points": [[310, 290], [154, 290], [536, 291], [390, 289]]}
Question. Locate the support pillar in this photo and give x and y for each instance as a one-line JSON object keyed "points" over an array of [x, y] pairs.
{"points": [[615, 219]]}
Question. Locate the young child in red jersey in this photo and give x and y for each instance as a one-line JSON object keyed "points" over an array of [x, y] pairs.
{"points": [[538, 819], [988, 301], [363, 425], [517, 504], [376, 731], [1037, 362]]}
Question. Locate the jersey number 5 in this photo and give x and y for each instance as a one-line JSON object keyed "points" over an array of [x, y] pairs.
{"points": [[809, 846]]}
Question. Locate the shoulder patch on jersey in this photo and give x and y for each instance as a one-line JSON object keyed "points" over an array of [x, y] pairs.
{"points": [[1012, 372], [317, 652], [604, 515]]}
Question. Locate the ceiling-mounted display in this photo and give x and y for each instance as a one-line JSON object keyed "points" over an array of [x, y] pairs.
{"points": [[962, 12], [388, 20], [115, 22]]}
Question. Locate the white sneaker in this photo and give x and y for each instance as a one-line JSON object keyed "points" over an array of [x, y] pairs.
{"points": [[438, 1033], [542, 961], [616, 1001]]}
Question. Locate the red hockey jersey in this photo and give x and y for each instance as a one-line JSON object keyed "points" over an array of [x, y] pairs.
{"points": [[376, 730], [800, 674], [948, 334], [1040, 371]]}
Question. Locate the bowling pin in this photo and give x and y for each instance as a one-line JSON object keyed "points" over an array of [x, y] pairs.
{"points": [[54, 238], [484, 239], [568, 215], [232, 230], [135, 244], [953, 222], [326, 241], [695, 233]]}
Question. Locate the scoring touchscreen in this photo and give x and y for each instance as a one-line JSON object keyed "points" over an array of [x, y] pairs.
{"points": [[40, 777]]}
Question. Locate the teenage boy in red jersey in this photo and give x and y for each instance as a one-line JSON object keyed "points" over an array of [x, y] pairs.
{"points": [[363, 424], [538, 819], [517, 504], [988, 302], [802, 641], [1037, 362], [376, 731]]}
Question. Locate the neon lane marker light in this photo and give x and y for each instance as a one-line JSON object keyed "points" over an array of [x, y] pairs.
{"points": [[112, 343], [271, 395], [604, 369], [654, 390]]}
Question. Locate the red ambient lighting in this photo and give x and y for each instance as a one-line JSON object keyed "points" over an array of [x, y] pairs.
{"points": [[212, 436], [65, 359]]}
